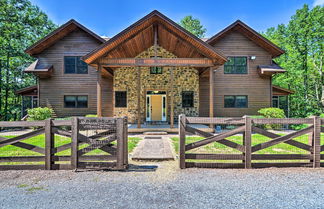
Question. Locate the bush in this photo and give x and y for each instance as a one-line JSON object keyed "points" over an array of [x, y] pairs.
{"points": [[272, 112], [91, 116], [322, 115], [39, 113]]}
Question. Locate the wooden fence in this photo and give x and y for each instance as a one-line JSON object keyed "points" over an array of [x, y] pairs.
{"points": [[110, 136], [247, 154]]}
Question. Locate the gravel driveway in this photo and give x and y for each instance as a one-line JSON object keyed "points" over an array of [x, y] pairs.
{"points": [[164, 187]]}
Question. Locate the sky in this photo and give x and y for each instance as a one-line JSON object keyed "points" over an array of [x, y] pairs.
{"points": [[109, 17]]}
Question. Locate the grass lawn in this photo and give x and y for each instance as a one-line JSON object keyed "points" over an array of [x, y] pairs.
{"points": [[218, 148], [39, 141]]}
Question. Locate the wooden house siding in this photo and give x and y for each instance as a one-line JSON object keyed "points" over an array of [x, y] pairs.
{"points": [[53, 89], [256, 88]]}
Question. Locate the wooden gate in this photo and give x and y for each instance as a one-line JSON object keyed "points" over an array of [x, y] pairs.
{"points": [[250, 151], [65, 144], [106, 135]]}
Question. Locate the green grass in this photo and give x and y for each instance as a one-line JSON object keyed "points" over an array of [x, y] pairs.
{"points": [[218, 148], [10, 150]]}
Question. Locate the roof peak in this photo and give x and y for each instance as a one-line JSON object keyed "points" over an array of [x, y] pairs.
{"points": [[52, 37]]}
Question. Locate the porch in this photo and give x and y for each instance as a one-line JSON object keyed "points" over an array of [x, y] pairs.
{"points": [[146, 127]]}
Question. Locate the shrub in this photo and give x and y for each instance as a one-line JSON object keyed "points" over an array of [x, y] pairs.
{"points": [[39, 113], [91, 116], [272, 112], [322, 115]]}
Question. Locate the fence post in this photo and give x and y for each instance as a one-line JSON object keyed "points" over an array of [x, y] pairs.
{"points": [[247, 141], [182, 141], [75, 142], [125, 141], [317, 142], [120, 139], [49, 145]]}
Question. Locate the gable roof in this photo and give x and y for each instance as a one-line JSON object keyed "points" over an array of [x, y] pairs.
{"points": [[247, 31], [57, 35], [169, 32]]}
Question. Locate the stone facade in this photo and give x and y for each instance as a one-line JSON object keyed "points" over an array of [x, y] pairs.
{"points": [[185, 79]]}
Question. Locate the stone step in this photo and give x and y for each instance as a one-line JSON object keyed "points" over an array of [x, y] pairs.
{"points": [[155, 133]]}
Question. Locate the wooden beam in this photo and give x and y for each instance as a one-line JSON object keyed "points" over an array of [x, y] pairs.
{"points": [[171, 99], [99, 92], [160, 62], [139, 97], [155, 39], [211, 94]]}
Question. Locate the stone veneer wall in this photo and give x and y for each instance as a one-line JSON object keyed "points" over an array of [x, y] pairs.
{"points": [[185, 79]]}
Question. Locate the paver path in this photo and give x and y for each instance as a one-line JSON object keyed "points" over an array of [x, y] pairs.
{"points": [[153, 148]]}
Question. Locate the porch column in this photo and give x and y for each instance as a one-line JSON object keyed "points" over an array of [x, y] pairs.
{"points": [[211, 93], [139, 97], [171, 99], [99, 92]]}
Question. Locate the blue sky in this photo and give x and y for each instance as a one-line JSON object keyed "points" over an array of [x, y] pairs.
{"points": [[109, 17]]}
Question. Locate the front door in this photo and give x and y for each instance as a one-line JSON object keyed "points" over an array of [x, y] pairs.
{"points": [[156, 106]]}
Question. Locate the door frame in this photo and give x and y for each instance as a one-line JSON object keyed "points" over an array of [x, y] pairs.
{"points": [[148, 105]]}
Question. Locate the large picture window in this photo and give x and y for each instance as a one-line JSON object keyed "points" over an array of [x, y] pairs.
{"points": [[187, 99], [120, 99], [236, 65], [235, 101], [74, 65], [72, 101]]}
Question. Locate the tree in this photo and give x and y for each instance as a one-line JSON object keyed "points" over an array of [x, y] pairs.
{"points": [[21, 24], [193, 25], [303, 40]]}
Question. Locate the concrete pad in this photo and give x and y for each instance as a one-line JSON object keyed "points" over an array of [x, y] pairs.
{"points": [[153, 148]]}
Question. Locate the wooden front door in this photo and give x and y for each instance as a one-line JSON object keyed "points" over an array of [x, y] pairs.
{"points": [[156, 106]]}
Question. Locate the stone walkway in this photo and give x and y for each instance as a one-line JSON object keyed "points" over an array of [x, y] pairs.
{"points": [[154, 148]]}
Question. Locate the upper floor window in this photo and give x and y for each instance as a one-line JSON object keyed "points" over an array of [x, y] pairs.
{"points": [[235, 101], [120, 99], [74, 65], [72, 101], [236, 65], [155, 69], [187, 99]]}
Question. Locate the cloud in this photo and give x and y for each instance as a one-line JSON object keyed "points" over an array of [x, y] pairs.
{"points": [[318, 3]]}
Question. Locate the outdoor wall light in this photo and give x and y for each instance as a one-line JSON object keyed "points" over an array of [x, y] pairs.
{"points": [[252, 57]]}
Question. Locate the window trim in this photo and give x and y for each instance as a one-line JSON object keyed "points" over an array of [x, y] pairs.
{"points": [[247, 101], [75, 73], [76, 96], [247, 65], [115, 100], [193, 99]]}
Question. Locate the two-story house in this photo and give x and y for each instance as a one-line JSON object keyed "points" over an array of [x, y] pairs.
{"points": [[155, 70]]}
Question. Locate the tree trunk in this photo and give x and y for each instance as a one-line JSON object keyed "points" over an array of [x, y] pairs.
{"points": [[7, 89]]}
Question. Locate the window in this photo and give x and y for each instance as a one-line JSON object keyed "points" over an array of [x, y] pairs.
{"points": [[75, 101], [236, 65], [120, 99], [275, 101], [235, 101], [155, 69], [74, 65], [187, 99]]}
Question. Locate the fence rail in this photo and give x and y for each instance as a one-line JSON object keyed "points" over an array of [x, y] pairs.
{"points": [[109, 135], [249, 143]]}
